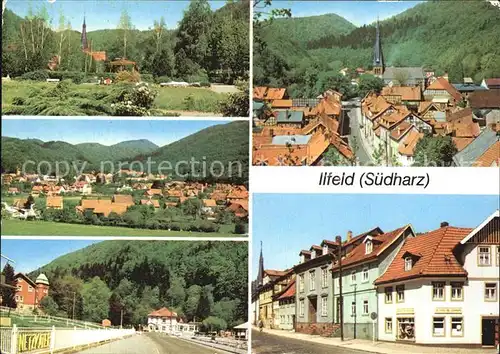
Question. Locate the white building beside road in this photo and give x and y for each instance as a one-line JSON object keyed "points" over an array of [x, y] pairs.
{"points": [[166, 321], [442, 288]]}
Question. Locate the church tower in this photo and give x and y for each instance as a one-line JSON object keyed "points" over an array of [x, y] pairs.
{"points": [[85, 45], [260, 274], [378, 56]]}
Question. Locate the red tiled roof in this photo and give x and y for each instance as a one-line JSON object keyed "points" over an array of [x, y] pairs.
{"points": [[407, 93], [274, 273], [375, 231], [289, 291], [163, 312], [485, 99], [123, 199], [490, 157], [275, 93], [443, 84], [54, 202], [259, 92], [493, 82], [381, 242], [433, 252], [153, 202]]}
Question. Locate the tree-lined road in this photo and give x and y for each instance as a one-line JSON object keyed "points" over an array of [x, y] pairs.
{"points": [[263, 342], [151, 343]]}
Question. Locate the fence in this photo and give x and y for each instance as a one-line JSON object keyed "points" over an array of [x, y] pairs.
{"points": [[48, 319], [16, 340]]}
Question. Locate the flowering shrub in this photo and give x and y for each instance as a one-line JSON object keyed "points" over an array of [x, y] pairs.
{"points": [[136, 102]]}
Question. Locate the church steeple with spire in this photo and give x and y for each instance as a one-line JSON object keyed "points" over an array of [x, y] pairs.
{"points": [[260, 274], [378, 55], [85, 45]]}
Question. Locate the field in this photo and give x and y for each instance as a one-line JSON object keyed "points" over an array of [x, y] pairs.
{"points": [[14, 227], [179, 100]]}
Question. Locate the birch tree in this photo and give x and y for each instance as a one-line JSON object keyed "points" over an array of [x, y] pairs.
{"points": [[125, 26]]}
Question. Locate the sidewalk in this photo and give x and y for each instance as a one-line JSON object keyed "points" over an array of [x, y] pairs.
{"points": [[376, 347]]}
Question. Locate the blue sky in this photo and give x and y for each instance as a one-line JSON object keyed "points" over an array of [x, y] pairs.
{"points": [[357, 12], [288, 223], [105, 14], [30, 255], [106, 132]]}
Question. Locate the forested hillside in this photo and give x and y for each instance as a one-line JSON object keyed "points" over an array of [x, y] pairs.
{"points": [[224, 143], [199, 280], [207, 45], [17, 151], [460, 38], [302, 30]]}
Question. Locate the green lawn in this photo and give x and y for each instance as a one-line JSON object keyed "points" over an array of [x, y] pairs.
{"points": [[168, 99], [13, 227]]}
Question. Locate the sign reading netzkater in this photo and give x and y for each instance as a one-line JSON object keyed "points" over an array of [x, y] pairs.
{"points": [[30, 341]]}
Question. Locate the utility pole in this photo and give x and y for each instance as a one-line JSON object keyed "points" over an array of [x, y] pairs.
{"points": [[121, 318], [171, 329], [338, 239], [74, 299]]}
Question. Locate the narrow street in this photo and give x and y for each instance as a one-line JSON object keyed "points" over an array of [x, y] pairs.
{"points": [[363, 156], [263, 342], [151, 343]]}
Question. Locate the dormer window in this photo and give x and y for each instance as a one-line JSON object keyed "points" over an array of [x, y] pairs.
{"points": [[368, 247], [408, 264], [313, 254], [302, 258], [325, 249]]}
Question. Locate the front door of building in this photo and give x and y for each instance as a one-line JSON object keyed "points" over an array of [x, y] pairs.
{"points": [[488, 332], [293, 321], [313, 306]]}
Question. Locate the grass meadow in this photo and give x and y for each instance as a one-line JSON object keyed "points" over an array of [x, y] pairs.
{"points": [[14, 227], [169, 99]]}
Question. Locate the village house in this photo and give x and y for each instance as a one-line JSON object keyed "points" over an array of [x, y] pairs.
{"points": [[369, 256], [13, 190], [486, 105], [102, 207], [483, 151], [410, 96], [30, 293], [491, 84], [313, 289], [154, 202], [441, 91], [467, 87], [287, 310], [442, 288], [54, 202], [300, 146], [125, 199], [239, 207], [273, 282], [83, 187]]}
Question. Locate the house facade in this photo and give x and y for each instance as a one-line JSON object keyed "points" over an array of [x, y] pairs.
{"points": [[442, 288], [313, 296], [30, 293], [287, 307], [274, 282], [367, 256]]}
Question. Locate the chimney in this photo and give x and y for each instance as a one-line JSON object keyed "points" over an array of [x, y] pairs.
{"points": [[349, 235], [445, 76], [338, 239], [445, 224]]}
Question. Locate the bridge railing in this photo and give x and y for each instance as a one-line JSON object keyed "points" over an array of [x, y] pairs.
{"points": [[16, 340]]}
